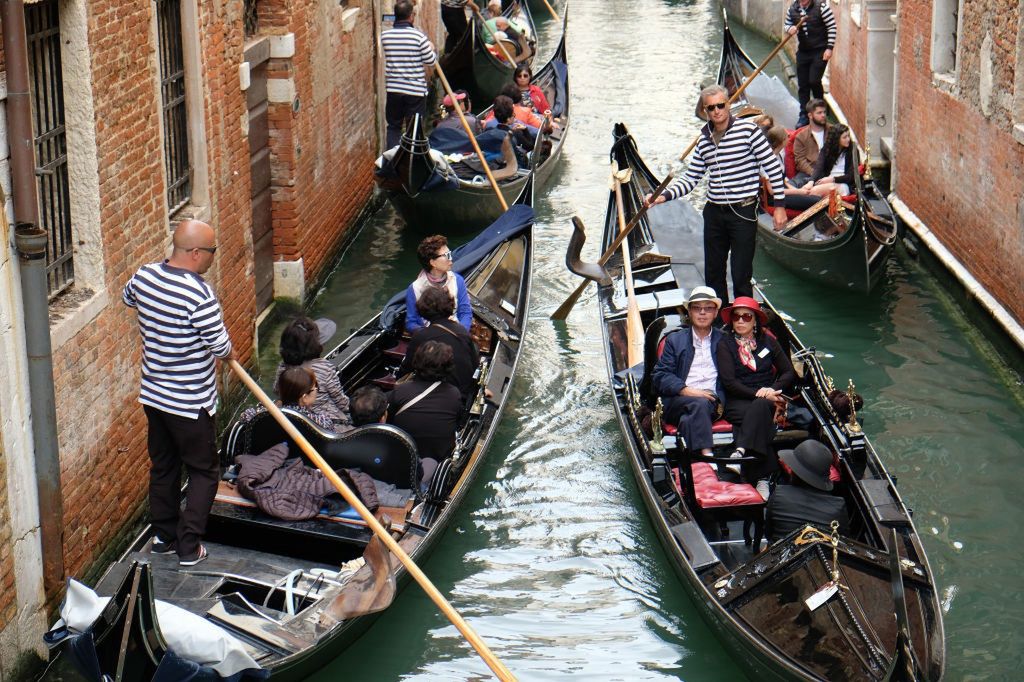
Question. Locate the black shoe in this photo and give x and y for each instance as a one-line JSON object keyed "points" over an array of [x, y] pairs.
{"points": [[196, 559], [161, 547]]}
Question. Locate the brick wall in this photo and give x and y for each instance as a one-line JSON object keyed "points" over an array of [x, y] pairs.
{"points": [[962, 171], [848, 70]]}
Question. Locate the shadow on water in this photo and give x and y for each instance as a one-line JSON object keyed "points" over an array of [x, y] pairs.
{"points": [[551, 557]]}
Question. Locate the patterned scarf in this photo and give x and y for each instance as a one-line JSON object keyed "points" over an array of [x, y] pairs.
{"points": [[747, 348]]}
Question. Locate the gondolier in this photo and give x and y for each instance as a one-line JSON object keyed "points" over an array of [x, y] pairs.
{"points": [[453, 14], [815, 40], [409, 61], [733, 153]]}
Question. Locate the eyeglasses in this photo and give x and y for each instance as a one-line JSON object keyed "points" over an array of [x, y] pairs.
{"points": [[718, 105], [703, 309], [523, 75], [207, 249], [446, 254], [743, 317]]}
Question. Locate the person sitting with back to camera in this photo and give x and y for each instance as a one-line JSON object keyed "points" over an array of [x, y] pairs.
{"points": [[755, 372], [451, 119], [436, 306], [427, 407], [686, 375], [519, 138], [369, 405], [297, 390], [806, 498], [302, 345], [522, 114], [436, 259]]}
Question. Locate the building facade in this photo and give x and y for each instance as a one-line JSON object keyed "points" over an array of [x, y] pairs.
{"points": [[260, 117]]}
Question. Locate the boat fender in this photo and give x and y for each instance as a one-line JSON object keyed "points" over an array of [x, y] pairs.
{"points": [[479, 180]]}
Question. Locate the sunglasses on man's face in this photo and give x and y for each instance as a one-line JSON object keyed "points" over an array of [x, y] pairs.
{"points": [[717, 105], [207, 249], [743, 317]]}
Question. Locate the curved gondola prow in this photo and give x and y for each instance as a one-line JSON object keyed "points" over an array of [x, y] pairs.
{"points": [[412, 162], [625, 154]]}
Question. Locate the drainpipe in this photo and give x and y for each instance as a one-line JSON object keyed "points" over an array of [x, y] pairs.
{"points": [[30, 242]]}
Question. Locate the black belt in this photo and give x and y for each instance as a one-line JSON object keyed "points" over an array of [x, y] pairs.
{"points": [[739, 204]]}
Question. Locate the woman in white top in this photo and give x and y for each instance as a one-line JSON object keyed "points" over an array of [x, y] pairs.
{"points": [[835, 162]]}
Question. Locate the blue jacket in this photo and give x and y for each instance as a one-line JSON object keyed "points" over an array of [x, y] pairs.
{"points": [[673, 366], [463, 307]]}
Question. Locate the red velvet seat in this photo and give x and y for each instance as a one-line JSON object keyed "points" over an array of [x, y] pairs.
{"points": [[712, 493], [397, 352]]}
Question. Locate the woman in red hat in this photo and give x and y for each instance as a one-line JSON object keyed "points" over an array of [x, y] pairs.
{"points": [[755, 373]]}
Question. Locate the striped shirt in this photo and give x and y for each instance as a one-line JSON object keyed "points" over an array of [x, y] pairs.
{"points": [[821, 23], [182, 330], [453, 3], [406, 52], [734, 166]]}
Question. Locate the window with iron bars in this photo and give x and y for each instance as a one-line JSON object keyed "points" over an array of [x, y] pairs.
{"points": [[42, 33], [175, 113]]}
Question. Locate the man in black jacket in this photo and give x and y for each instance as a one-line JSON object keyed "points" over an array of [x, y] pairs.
{"points": [[807, 498], [814, 47]]}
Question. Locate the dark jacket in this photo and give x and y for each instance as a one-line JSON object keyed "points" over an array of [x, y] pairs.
{"points": [[464, 352], [673, 366], [847, 178], [794, 506], [773, 368], [432, 421], [815, 33]]}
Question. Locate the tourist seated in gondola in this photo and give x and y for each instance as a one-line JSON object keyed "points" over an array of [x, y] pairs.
{"points": [[500, 27], [522, 114], [798, 198], [806, 498], [755, 374], [686, 375], [427, 407], [835, 167], [449, 135], [435, 306], [369, 405], [436, 259], [451, 119], [297, 389], [504, 127], [765, 122], [302, 345], [530, 93], [809, 140]]}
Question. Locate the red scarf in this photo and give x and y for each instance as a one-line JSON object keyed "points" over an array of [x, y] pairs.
{"points": [[747, 348]]}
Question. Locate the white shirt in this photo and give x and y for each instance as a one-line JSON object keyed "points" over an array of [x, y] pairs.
{"points": [[703, 374], [819, 137]]}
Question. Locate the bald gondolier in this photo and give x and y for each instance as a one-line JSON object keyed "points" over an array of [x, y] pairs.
{"points": [[815, 39], [732, 153], [409, 61], [182, 335]]}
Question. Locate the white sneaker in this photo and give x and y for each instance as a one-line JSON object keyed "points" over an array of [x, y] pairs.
{"points": [[763, 489], [736, 454]]}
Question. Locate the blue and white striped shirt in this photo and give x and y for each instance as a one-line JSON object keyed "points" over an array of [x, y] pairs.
{"points": [[406, 52], [182, 330], [733, 166]]}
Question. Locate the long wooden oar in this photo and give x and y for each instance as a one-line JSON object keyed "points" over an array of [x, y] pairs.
{"points": [[472, 137], [551, 9], [496, 666], [748, 81], [504, 52], [569, 303], [634, 326]]}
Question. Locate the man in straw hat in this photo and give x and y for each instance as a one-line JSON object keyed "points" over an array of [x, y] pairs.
{"points": [[686, 376], [807, 498]]}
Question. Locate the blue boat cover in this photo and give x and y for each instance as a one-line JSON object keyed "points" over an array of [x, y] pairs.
{"points": [[513, 222], [450, 141], [561, 78]]}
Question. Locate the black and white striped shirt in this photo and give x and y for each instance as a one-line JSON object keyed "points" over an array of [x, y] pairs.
{"points": [[182, 330], [733, 166], [406, 52], [819, 31]]}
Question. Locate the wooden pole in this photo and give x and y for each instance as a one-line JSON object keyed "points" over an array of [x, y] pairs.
{"points": [[504, 52], [634, 326], [749, 79], [569, 303], [496, 666], [551, 9], [472, 138]]}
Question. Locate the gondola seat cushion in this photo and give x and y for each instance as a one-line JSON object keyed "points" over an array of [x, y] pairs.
{"points": [[712, 493], [720, 426]]}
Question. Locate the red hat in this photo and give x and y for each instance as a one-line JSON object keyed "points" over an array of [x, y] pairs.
{"points": [[744, 302], [459, 95]]}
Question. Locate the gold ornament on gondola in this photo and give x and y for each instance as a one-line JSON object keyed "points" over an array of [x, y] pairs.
{"points": [[852, 426], [656, 438]]}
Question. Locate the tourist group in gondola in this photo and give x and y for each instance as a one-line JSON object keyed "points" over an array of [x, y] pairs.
{"points": [[773, 507]]}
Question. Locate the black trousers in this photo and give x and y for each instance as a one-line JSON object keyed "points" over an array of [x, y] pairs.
{"points": [[810, 67], [174, 441], [753, 429], [397, 108], [455, 24], [693, 417], [730, 233]]}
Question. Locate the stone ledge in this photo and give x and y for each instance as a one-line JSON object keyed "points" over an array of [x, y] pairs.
{"points": [[1018, 132], [74, 320]]}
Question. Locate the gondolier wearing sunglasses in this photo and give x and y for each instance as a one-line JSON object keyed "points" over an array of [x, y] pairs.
{"points": [[732, 153]]}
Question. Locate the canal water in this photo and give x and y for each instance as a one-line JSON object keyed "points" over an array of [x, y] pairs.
{"points": [[551, 558]]}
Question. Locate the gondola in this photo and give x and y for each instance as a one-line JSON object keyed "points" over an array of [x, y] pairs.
{"points": [[887, 624], [275, 585], [471, 66], [428, 191], [853, 260]]}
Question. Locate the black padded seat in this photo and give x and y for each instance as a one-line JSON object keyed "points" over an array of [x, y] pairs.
{"points": [[385, 452], [655, 332]]}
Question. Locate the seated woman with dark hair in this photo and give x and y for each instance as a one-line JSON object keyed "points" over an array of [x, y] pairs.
{"points": [[436, 307], [302, 346], [523, 79], [427, 407], [436, 259], [835, 162], [297, 389], [755, 372]]}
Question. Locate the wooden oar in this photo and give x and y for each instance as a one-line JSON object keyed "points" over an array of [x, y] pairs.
{"points": [[504, 52], [748, 81], [496, 666], [634, 326], [568, 304], [551, 9], [472, 137]]}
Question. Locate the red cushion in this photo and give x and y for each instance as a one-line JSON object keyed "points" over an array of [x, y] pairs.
{"points": [[712, 493], [790, 152], [849, 198], [669, 429], [721, 426]]}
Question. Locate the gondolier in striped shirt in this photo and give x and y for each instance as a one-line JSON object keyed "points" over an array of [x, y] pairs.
{"points": [[409, 61], [816, 38], [182, 335], [732, 153]]}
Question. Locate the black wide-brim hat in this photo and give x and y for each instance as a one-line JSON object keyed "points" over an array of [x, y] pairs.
{"points": [[811, 462]]}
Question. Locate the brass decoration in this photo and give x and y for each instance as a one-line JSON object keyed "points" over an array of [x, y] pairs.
{"points": [[656, 444], [852, 426], [867, 161]]}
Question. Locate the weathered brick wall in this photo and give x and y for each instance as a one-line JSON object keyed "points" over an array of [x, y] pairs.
{"points": [[962, 171], [848, 70]]}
